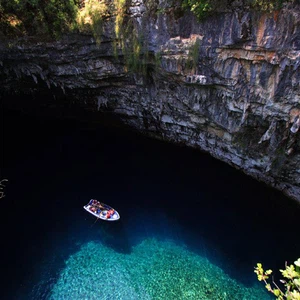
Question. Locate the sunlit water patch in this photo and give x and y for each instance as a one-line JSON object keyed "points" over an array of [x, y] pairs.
{"points": [[152, 270]]}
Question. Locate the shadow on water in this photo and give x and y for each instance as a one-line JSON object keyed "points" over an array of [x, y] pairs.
{"points": [[113, 235], [236, 220], [160, 190]]}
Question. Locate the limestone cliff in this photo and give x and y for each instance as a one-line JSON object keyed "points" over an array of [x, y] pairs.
{"points": [[228, 85]]}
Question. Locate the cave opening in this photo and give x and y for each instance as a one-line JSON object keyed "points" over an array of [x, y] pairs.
{"points": [[177, 205]]}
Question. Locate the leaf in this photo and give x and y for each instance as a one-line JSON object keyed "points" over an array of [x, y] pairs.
{"points": [[289, 272], [258, 270], [268, 272], [297, 282], [260, 277], [294, 295], [276, 292], [268, 287], [291, 284]]}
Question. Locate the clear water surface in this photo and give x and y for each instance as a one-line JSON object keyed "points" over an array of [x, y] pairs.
{"points": [[191, 227]]}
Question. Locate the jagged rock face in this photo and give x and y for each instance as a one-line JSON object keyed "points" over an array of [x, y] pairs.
{"points": [[237, 98]]}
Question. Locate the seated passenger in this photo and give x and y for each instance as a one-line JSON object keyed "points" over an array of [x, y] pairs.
{"points": [[100, 205], [93, 209], [110, 213]]}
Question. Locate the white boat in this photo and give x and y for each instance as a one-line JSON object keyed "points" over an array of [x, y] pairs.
{"points": [[102, 211]]}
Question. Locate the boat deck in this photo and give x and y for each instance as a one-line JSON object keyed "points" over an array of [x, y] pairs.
{"points": [[102, 213]]}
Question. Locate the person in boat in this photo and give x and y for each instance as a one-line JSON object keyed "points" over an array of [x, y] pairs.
{"points": [[93, 209], [100, 205], [93, 202], [110, 213]]}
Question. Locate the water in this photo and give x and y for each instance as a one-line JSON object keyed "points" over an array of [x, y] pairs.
{"points": [[191, 227]]}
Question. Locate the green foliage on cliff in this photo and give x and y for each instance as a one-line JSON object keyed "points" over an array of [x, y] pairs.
{"points": [[193, 56], [291, 281], [37, 17], [130, 42], [267, 5], [52, 17], [91, 16], [201, 8]]}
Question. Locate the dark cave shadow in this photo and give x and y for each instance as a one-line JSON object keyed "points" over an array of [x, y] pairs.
{"points": [[238, 222], [239, 234], [113, 235]]}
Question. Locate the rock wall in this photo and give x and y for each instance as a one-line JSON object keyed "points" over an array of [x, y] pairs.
{"points": [[228, 85]]}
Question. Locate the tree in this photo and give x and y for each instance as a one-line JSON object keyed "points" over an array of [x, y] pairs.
{"points": [[291, 281]]}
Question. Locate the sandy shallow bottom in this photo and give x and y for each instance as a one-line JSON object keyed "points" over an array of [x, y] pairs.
{"points": [[153, 270]]}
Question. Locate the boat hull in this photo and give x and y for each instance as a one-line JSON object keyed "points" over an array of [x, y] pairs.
{"points": [[103, 213]]}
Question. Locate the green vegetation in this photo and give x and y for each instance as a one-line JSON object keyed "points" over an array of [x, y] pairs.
{"points": [[129, 43], [193, 56], [267, 5], [291, 282], [53, 17], [37, 17], [135, 58], [131, 49], [201, 8], [90, 18], [120, 8]]}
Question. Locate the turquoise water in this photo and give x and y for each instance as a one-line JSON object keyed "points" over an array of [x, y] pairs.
{"points": [[155, 269], [190, 227]]}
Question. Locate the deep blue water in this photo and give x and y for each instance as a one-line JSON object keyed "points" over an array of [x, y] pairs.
{"points": [[161, 190]]}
